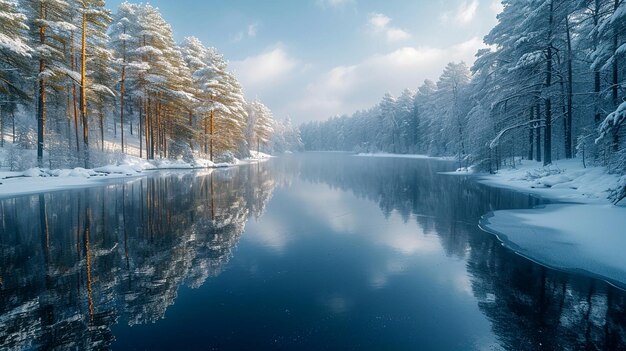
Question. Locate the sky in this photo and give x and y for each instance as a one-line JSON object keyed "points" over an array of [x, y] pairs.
{"points": [[314, 59]]}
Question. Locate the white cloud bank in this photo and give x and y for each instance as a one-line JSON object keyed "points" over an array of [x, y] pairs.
{"points": [[346, 89], [267, 69]]}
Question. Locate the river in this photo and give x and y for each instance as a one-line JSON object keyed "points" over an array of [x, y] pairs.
{"points": [[316, 251]]}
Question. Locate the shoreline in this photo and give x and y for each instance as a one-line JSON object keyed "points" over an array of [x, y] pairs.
{"points": [[35, 180], [577, 232]]}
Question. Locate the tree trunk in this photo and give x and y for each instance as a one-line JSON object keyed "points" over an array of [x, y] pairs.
{"points": [[13, 125], [615, 89], [75, 107], [41, 104], [147, 124], [596, 73], [547, 147], [538, 135], [206, 135], [83, 90], [101, 131], [1, 128], [531, 135], [158, 141], [211, 139], [122, 91], [141, 128], [570, 94]]}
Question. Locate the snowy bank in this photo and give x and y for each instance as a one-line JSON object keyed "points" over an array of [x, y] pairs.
{"points": [[570, 237], [565, 180], [36, 180], [258, 156], [413, 156]]}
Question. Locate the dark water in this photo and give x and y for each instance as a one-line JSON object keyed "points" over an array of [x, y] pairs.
{"points": [[310, 252]]}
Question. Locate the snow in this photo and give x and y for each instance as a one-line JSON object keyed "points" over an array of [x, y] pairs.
{"points": [[16, 45], [612, 121], [36, 180], [569, 237], [582, 233], [414, 156], [565, 180], [256, 156]]}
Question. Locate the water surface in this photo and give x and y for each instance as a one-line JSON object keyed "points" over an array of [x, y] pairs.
{"points": [[310, 252]]}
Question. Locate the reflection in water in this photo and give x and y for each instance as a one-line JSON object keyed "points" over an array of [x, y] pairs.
{"points": [[74, 262], [529, 306]]}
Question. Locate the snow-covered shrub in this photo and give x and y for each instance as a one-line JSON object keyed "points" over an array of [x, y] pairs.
{"points": [[226, 157], [180, 149], [26, 138], [542, 173], [586, 147], [12, 160], [619, 193]]}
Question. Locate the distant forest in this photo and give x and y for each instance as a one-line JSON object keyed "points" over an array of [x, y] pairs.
{"points": [[551, 86]]}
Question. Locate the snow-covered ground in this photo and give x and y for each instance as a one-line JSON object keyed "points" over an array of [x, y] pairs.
{"points": [[36, 180], [565, 180], [583, 232], [570, 237], [414, 156]]}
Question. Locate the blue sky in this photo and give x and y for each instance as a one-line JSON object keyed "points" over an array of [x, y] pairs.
{"points": [[312, 59]]}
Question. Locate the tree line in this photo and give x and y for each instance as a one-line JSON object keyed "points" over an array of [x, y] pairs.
{"points": [[84, 73], [550, 86]]}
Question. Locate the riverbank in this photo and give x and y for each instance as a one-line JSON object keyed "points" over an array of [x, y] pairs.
{"points": [[582, 232], [564, 180], [413, 156], [36, 180]]}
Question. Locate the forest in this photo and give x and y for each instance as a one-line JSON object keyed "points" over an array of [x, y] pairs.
{"points": [[83, 86], [550, 85]]}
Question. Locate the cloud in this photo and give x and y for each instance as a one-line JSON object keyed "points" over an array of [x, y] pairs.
{"points": [[334, 4], [379, 23], [463, 15], [496, 6], [252, 29], [349, 88], [250, 32], [269, 68], [467, 11]]}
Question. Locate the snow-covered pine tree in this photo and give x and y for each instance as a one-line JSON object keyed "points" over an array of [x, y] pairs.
{"points": [[123, 34], [451, 96], [48, 22], [14, 55], [259, 126], [165, 84], [389, 124]]}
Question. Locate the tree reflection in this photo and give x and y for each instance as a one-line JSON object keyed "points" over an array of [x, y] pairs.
{"points": [[74, 263], [530, 307]]}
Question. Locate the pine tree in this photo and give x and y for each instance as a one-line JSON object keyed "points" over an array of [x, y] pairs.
{"points": [[123, 34], [14, 52], [48, 23], [259, 124]]}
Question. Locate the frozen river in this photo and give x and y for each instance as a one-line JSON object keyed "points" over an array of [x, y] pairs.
{"points": [[320, 251]]}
